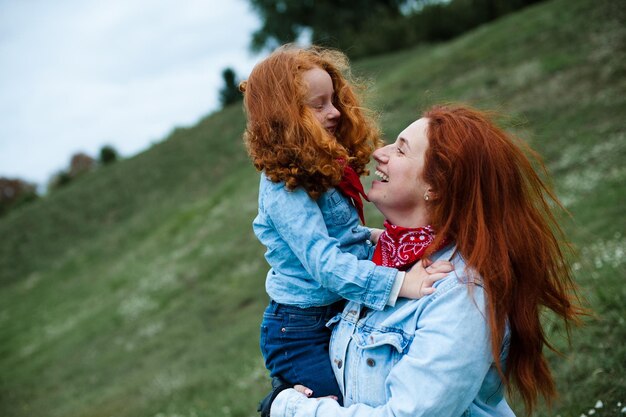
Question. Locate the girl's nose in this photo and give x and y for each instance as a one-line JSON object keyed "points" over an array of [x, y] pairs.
{"points": [[333, 113]]}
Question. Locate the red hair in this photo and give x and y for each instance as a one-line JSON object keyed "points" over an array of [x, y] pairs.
{"points": [[490, 200], [282, 135]]}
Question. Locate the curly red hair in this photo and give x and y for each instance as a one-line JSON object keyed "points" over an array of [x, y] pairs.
{"points": [[283, 137], [495, 206]]}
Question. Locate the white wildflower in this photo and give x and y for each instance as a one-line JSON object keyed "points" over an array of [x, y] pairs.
{"points": [[607, 252], [150, 329], [135, 306], [599, 404], [598, 263]]}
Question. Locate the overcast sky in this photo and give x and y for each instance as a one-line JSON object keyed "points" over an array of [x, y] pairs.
{"points": [[78, 74]]}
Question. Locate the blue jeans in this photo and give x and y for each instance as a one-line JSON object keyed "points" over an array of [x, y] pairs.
{"points": [[294, 343]]}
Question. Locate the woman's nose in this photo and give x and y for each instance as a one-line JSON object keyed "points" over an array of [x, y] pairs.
{"points": [[381, 154]]}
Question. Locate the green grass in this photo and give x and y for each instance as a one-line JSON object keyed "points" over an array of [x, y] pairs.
{"points": [[138, 289]]}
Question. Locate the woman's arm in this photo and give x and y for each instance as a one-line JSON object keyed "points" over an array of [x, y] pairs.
{"points": [[440, 375]]}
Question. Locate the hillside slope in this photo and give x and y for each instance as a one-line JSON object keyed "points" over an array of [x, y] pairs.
{"points": [[137, 290]]}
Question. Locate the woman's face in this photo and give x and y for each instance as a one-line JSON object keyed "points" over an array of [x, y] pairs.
{"points": [[400, 190], [319, 98]]}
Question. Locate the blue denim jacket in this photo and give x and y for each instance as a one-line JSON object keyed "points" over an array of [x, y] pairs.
{"points": [[317, 250], [427, 357]]}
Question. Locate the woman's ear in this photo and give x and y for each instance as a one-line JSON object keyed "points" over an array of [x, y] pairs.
{"points": [[430, 195]]}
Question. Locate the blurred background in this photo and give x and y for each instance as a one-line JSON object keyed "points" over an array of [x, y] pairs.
{"points": [[131, 283]]}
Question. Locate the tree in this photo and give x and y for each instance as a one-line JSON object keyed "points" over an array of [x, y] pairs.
{"points": [[108, 155], [368, 27], [58, 180], [81, 163], [229, 93], [335, 23], [14, 192]]}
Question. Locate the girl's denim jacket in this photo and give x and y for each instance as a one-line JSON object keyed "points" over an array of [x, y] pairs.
{"points": [[427, 357], [317, 250]]}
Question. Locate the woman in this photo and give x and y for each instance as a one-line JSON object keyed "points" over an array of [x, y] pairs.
{"points": [[453, 353]]}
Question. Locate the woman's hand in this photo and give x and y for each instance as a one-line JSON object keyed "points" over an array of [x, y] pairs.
{"points": [[309, 393], [278, 386], [419, 280]]}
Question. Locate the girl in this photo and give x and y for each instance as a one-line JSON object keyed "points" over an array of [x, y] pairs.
{"points": [[310, 137]]}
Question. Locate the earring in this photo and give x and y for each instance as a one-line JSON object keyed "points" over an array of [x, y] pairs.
{"points": [[426, 196]]}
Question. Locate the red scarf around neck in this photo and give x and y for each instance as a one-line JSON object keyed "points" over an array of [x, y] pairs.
{"points": [[400, 247], [351, 187]]}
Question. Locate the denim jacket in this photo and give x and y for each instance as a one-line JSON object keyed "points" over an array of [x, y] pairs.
{"points": [[427, 357], [317, 250]]}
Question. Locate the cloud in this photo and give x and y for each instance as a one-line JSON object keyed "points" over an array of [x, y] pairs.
{"points": [[75, 75]]}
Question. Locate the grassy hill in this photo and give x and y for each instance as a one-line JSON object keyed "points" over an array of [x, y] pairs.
{"points": [[138, 290]]}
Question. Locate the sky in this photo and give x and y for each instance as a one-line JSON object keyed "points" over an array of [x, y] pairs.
{"points": [[76, 75]]}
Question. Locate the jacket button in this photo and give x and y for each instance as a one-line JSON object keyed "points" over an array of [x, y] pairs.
{"points": [[339, 363], [283, 330], [370, 362]]}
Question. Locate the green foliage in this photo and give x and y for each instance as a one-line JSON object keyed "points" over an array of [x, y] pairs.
{"points": [[369, 27], [229, 93], [108, 155], [80, 164], [58, 180], [138, 291], [14, 192], [331, 23]]}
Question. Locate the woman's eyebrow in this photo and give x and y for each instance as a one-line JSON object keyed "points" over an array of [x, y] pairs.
{"points": [[404, 142]]}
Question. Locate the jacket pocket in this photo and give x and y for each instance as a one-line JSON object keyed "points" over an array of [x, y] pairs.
{"points": [[376, 355], [335, 208], [379, 338]]}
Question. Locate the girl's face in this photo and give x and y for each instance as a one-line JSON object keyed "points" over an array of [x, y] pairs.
{"points": [[400, 165], [319, 98]]}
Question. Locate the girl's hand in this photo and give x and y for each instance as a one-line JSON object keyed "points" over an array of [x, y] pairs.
{"points": [[309, 393], [375, 234], [419, 280]]}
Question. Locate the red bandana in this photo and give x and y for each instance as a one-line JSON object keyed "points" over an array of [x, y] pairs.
{"points": [[351, 187], [401, 247]]}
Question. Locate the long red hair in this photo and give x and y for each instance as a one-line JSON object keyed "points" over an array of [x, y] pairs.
{"points": [[490, 200], [283, 137]]}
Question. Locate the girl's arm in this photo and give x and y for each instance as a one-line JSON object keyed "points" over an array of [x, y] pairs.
{"points": [[375, 234], [299, 221]]}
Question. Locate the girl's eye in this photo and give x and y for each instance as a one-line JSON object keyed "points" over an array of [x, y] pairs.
{"points": [[399, 150]]}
